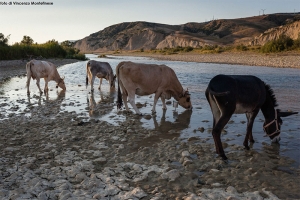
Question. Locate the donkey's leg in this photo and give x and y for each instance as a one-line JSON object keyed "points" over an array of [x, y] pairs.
{"points": [[216, 132], [249, 136]]}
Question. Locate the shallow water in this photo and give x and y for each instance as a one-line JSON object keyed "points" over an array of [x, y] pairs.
{"points": [[194, 76]]}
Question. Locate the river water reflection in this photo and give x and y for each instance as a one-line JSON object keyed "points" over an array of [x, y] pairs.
{"points": [[192, 75]]}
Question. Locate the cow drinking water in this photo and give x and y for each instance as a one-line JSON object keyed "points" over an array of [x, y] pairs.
{"points": [[37, 69], [101, 70], [229, 94], [146, 79]]}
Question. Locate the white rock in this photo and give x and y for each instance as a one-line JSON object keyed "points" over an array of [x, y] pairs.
{"points": [[171, 175], [216, 184], [185, 154]]}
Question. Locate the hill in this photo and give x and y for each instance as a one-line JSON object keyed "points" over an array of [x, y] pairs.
{"points": [[146, 35]]}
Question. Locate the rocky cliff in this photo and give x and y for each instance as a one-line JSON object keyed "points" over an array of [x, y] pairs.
{"points": [[291, 30], [145, 35]]}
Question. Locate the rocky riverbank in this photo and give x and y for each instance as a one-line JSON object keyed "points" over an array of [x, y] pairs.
{"points": [[63, 156], [282, 60]]}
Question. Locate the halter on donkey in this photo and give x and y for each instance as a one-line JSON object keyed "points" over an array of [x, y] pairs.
{"points": [[229, 94]]}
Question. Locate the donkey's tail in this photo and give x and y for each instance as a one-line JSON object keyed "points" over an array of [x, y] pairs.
{"points": [[119, 101], [217, 93]]}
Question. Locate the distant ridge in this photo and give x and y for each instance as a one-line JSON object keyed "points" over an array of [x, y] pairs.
{"points": [[147, 35]]}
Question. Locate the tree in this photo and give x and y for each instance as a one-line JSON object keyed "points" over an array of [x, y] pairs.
{"points": [[4, 40], [27, 40], [67, 43]]}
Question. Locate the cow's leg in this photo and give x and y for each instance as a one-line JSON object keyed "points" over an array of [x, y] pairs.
{"points": [[92, 82], [28, 83], [249, 136], [163, 100], [46, 85], [38, 84], [131, 99], [99, 88], [156, 96], [124, 97]]}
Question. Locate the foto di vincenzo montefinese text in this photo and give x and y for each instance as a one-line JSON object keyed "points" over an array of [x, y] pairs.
{"points": [[25, 3]]}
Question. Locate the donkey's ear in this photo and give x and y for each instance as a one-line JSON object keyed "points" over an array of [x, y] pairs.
{"points": [[285, 114]]}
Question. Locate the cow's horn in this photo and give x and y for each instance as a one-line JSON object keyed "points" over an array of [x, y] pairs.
{"points": [[63, 77]]}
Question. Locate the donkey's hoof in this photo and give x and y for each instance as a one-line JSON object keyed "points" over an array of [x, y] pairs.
{"points": [[223, 157]]}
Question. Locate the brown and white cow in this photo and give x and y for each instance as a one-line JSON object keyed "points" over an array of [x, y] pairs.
{"points": [[37, 69], [146, 79], [101, 70]]}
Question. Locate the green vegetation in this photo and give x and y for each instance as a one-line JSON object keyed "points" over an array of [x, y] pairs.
{"points": [[26, 49], [102, 56], [283, 43], [168, 51]]}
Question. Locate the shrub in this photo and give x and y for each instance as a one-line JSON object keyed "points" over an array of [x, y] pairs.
{"points": [[50, 49], [283, 43], [241, 47]]}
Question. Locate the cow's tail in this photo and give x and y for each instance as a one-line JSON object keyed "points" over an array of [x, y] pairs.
{"points": [[29, 73], [119, 100], [87, 72]]}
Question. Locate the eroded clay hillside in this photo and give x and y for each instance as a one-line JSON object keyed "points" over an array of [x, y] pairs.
{"points": [[146, 35], [291, 30]]}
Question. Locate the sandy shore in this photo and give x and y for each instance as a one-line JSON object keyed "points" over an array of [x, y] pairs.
{"points": [[291, 60]]}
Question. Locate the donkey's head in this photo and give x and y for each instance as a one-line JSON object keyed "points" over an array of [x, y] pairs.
{"points": [[272, 127]]}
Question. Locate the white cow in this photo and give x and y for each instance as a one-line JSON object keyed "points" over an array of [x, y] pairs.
{"points": [[101, 70], [37, 69]]}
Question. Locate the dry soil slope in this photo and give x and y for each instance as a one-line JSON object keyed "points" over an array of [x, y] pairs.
{"points": [[146, 35]]}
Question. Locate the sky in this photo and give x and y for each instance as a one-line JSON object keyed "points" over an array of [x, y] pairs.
{"points": [[76, 19]]}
